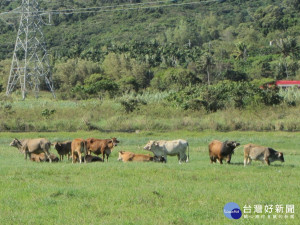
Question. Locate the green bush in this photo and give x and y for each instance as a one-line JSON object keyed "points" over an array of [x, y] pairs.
{"points": [[225, 94]]}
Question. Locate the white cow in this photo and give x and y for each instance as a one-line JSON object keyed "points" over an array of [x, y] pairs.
{"points": [[164, 148]]}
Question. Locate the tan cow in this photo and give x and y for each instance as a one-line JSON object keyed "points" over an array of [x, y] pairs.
{"points": [[130, 156], [101, 146], [133, 157], [78, 147], [29, 146], [261, 153]]}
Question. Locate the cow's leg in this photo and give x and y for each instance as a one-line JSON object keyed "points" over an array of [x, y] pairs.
{"points": [[245, 161], [72, 157], [182, 157], [79, 155], [47, 155], [165, 156], [220, 160], [228, 159], [249, 161], [26, 152], [267, 161]]}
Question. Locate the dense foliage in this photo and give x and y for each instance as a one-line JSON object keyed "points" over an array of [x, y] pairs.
{"points": [[190, 49]]}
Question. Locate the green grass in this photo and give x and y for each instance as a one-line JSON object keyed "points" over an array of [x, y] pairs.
{"points": [[147, 193]]}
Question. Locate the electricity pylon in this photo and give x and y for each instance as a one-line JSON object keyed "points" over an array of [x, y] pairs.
{"points": [[30, 64]]}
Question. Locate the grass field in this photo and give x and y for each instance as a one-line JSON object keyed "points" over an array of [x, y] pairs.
{"points": [[148, 193]]}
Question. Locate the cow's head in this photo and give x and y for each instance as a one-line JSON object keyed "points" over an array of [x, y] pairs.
{"points": [[114, 141], [56, 145], [150, 145], [231, 144], [280, 156], [16, 143]]}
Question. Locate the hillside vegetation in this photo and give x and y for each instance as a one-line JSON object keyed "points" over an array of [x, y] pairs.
{"points": [[201, 57]]}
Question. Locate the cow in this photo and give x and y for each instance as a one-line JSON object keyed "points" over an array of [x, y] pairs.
{"points": [[101, 146], [219, 150], [164, 148], [63, 148], [36, 146], [90, 158], [133, 157], [130, 156], [261, 153], [41, 157], [78, 147]]}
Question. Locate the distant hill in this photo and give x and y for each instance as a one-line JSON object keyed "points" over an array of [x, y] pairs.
{"points": [[141, 45]]}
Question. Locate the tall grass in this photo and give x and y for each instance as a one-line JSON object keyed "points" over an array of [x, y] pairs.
{"points": [[291, 96], [157, 114]]}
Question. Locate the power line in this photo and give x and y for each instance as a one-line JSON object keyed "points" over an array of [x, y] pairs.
{"points": [[158, 4]]}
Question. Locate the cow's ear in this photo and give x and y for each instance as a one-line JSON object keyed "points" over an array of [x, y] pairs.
{"points": [[110, 141], [156, 143], [280, 154]]}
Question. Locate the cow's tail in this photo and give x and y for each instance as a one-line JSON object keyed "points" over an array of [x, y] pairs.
{"points": [[188, 157]]}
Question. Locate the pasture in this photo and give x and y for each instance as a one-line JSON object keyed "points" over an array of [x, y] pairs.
{"points": [[148, 193]]}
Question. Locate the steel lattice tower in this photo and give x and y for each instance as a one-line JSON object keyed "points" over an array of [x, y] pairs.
{"points": [[30, 64]]}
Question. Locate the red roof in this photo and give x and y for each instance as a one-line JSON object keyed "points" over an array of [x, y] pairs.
{"points": [[288, 82]]}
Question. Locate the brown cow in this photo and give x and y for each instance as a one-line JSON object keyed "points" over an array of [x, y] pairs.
{"points": [[41, 157], [101, 146], [78, 147], [29, 146], [63, 148], [219, 150]]}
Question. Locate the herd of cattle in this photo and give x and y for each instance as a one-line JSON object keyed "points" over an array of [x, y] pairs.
{"points": [[81, 151]]}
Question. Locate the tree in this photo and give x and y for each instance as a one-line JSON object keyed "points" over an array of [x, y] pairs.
{"points": [[288, 48], [207, 62], [241, 51]]}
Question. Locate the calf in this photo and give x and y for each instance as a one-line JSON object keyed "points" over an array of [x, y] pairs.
{"points": [[101, 146], [63, 148], [261, 153], [42, 158], [219, 150], [78, 147], [90, 158]]}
